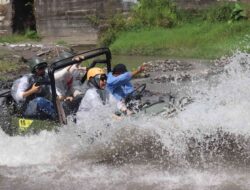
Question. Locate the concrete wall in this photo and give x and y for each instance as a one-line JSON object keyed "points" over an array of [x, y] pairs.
{"points": [[5, 17], [73, 19]]}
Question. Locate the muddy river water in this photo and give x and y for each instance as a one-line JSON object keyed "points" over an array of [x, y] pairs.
{"points": [[204, 146]]}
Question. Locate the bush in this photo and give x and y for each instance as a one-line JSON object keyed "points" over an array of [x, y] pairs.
{"points": [[31, 34], [156, 13], [219, 12], [238, 13], [226, 12], [146, 13], [115, 25]]}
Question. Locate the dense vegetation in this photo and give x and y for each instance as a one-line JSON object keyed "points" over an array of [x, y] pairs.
{"points": [[157, 27]]}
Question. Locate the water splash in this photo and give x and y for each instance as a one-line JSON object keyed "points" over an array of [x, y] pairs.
{"points": [[213, 130], [206, 146]]}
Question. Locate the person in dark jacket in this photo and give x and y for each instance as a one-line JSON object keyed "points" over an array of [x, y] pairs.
{"points": [[32, 98]]}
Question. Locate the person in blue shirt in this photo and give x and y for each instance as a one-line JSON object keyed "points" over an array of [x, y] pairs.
{"points": [[118, 82]]}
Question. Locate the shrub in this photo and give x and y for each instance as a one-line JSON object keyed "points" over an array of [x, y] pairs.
{"points": [[224, 12], [115, 24], [31, 34], [219, 12], [156, 13], [146, 13], [238, 13]]}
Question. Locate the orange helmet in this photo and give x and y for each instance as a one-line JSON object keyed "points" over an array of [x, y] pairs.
{"points": [[94, 71]]}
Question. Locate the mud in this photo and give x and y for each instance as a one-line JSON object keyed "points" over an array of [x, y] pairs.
{"points": [[19, 54]]}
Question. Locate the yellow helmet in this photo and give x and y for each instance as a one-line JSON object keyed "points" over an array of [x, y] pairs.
{"points": [[94, 71]]}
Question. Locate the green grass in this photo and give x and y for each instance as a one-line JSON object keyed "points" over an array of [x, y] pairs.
{"points": [[62, 43], [6, 66], [16, 38], [202, 40], [9, 67]]}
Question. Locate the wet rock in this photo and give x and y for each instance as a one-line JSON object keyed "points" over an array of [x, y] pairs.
{"points": [[167, 65], [143, 75], [28, 50], [170, 78], [6, 84]]}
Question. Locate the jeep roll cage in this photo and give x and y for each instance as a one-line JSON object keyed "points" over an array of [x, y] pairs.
{"points": [[68, 61]]}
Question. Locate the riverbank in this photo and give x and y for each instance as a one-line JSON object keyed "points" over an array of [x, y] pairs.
{"points": [[163, 76], [189, 41], [13, 57]]}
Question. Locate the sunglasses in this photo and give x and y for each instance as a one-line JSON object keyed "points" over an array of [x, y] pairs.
{"points": [[103, 77]]}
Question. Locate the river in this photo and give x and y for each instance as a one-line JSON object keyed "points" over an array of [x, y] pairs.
{"points": [[205, 146]]}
